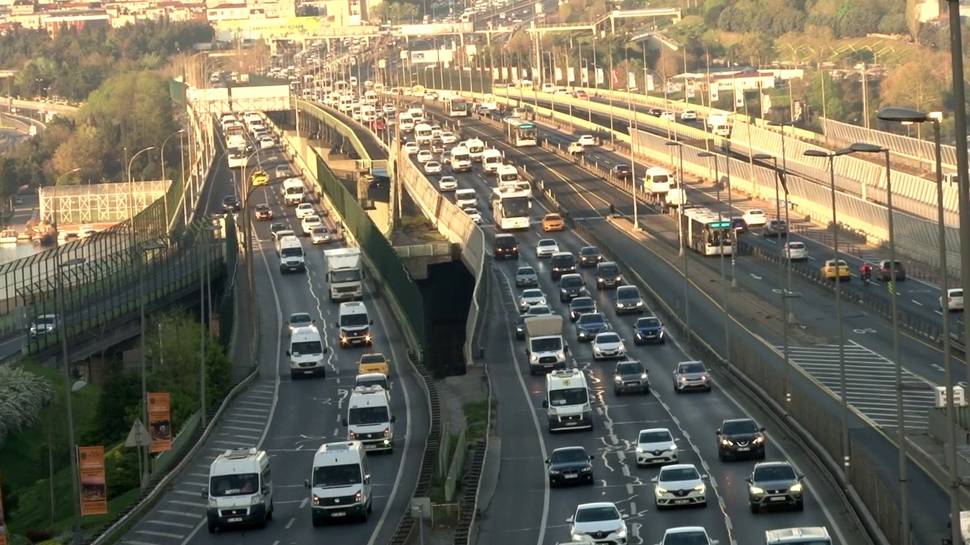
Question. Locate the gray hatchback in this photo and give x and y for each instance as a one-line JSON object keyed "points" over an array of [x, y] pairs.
{"points": [[630, 376], [775, 484]]}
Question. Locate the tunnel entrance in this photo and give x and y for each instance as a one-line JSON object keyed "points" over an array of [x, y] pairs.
{"points": [[448, 293]]}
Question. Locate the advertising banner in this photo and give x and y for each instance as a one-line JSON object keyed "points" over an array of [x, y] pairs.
{"points": [[558, 72], [631, 80], [713, 92], [570, 74], [160, 421], [600, 77], [94, 488], [738, 97]]}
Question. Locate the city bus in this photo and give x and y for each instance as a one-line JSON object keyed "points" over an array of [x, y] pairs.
{"points": [[520, 133], [706, 233], [456, 107], [511, 207]]}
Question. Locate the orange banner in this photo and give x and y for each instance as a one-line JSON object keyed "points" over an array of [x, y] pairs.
{"points": [[3, 525], [160, 421], [94, 489]]}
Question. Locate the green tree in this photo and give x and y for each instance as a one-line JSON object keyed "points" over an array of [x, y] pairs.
{"points": [[918, 84]]}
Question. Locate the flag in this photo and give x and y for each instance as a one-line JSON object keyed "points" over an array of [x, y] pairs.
{"points": [[713, 90], [558, 72], [570, 74], [585, 75], [631, 80], [765, 104], [600, 77], [738, 97], [651, 86], [615, 79]]}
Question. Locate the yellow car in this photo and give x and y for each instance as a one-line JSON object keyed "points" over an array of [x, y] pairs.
{"points": [[829, 271], [553, 222], [374, 362]]}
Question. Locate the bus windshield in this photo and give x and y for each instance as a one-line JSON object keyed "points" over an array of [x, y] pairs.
{"points": [[515, 206]]}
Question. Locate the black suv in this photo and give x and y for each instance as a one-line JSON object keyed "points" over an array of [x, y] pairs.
{"points": [[562, 263], [570, 465], [506, 247], [622, 172], [886, 272], [231, 204], [608, 275], [589, 325], [740, 437], [571, 286], [589, 256]]}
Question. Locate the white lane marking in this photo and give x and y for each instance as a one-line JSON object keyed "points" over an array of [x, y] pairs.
{"points": [[544, 520], [290, 522], [915, 302], [167, 523], [159, 534], [178, 513], [407, 433]]}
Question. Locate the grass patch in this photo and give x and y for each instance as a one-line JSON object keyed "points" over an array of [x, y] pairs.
{"points": [[24, 456], [476, 419]]}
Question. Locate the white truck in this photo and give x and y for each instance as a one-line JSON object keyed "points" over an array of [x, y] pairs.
{"points": [[344, 274], [545, 345]]}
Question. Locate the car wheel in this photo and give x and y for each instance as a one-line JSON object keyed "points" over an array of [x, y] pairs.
{"points": [[316, 521], [293, 375], [269, 514], [213, 527], [617, 392], [754, 508], [800, 505]]}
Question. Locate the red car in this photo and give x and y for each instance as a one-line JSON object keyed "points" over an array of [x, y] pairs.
{"points": [[263, 212]]}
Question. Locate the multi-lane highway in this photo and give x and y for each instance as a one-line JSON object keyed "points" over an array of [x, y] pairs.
{"points": [[589, 198], [290, 418]]}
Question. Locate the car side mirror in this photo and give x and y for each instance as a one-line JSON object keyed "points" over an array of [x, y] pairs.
{"points": [[306, 483], [626, 516], [704, 477], [565, 349], [371, 322], [335, 324], [653, 480], [749, 480], [718, 432], [326, 349], [344, 421], [548, 461], [205, 493], [545, 404], [264, 490], [287, 352], [590, 458], [526, 351], [367, 479], [800, 477]]}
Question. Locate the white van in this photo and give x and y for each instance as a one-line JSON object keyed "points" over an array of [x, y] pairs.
{"points": [[406, 122], [422, 134], [306, 352], [291, 255], [465, 197], [240, 489], [475, 149], [346, 103], [417, 114], [491, 159], [339, 483], [293, 191], [459, 159], [506, 174], [657, 180], [567, 400], [353, 324], [369, 418]]}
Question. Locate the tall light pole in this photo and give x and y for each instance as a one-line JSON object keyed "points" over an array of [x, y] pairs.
{"points": [[680, 229], [724, 297], [60, 322], [245, 190], [144, 249], [906, 116], [161, 151], [783, 280], [843, 390], [131, 193]]}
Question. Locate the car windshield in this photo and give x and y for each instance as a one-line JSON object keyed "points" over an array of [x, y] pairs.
{"points": [[345, 275], [353, 320], [608, 338], [589, 251], [774, 473], [531, 294], [336, 476], [538, 310], [593, 318], [547, 242], [661, 436], [375, 380], [292, 252], [571, 281], [300, 319], [648, 322], [568, 396], [319, 230], [546, 344], [233, 485], [363, 416], [796, 245], [262, 207], [306, 347], [629, 368], [372, 358], [693, 367], [553, 217], [564, 260], [627, 293], [686, 538], [525, 271], [738, 427], [581, 303], [678, 474], [45, 320], [596, 514], [569, 456], [608, 270]]}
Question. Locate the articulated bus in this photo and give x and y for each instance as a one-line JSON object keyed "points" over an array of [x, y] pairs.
{"points": [[520, 133], [706, 233], [511, 207], [456, 107]]}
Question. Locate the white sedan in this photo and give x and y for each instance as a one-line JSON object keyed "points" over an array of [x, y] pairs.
{"points": [[304, 209], [389, 109], [310, 223], [447, 183], [796, 250], [267, 142], [410, 148], [656, 446], [530, 298], [448, 137], [608, 345], [688, 115], [432, 167], [679, 485], [586, 140], [755, 217], [546, 247], [474, 214], [424, 156]]}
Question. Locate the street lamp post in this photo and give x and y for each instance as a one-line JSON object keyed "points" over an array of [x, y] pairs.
{"points": [[906, 116], [144, 249], [680, 229], [161, 152], [246, 189], [783, 279], [724, 297], [843, 390], [734, 232], [60, 322], [131, 193]]}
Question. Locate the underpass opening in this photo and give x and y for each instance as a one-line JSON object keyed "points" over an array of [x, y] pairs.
{"points": [[447, 294]]}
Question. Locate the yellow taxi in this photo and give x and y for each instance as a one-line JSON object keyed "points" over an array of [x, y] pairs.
{"points": [[374, 362], [260, 177], [553, 222], [832, 272]]}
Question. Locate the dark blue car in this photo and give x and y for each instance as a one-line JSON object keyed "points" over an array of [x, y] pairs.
{"points": [[648, 329]]}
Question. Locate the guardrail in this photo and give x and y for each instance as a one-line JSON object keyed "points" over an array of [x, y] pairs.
{"points": [[342, 128]]}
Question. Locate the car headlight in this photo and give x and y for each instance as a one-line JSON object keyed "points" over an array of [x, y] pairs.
{"points": [[255, 499], [213, 503], [639, 303], [726, 442], [587, 469], [618, 379], [700, 488], [619, 278], [756, 490], [682, 378], [353, 435], [358, 496], [703, 378], [578, 536], [797, 487], [643, 376], [759, 440], [660, 491], [316, 499], [621, 533]]}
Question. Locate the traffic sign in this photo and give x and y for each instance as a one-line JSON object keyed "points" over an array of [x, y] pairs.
{"points": [[138, 436]]}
